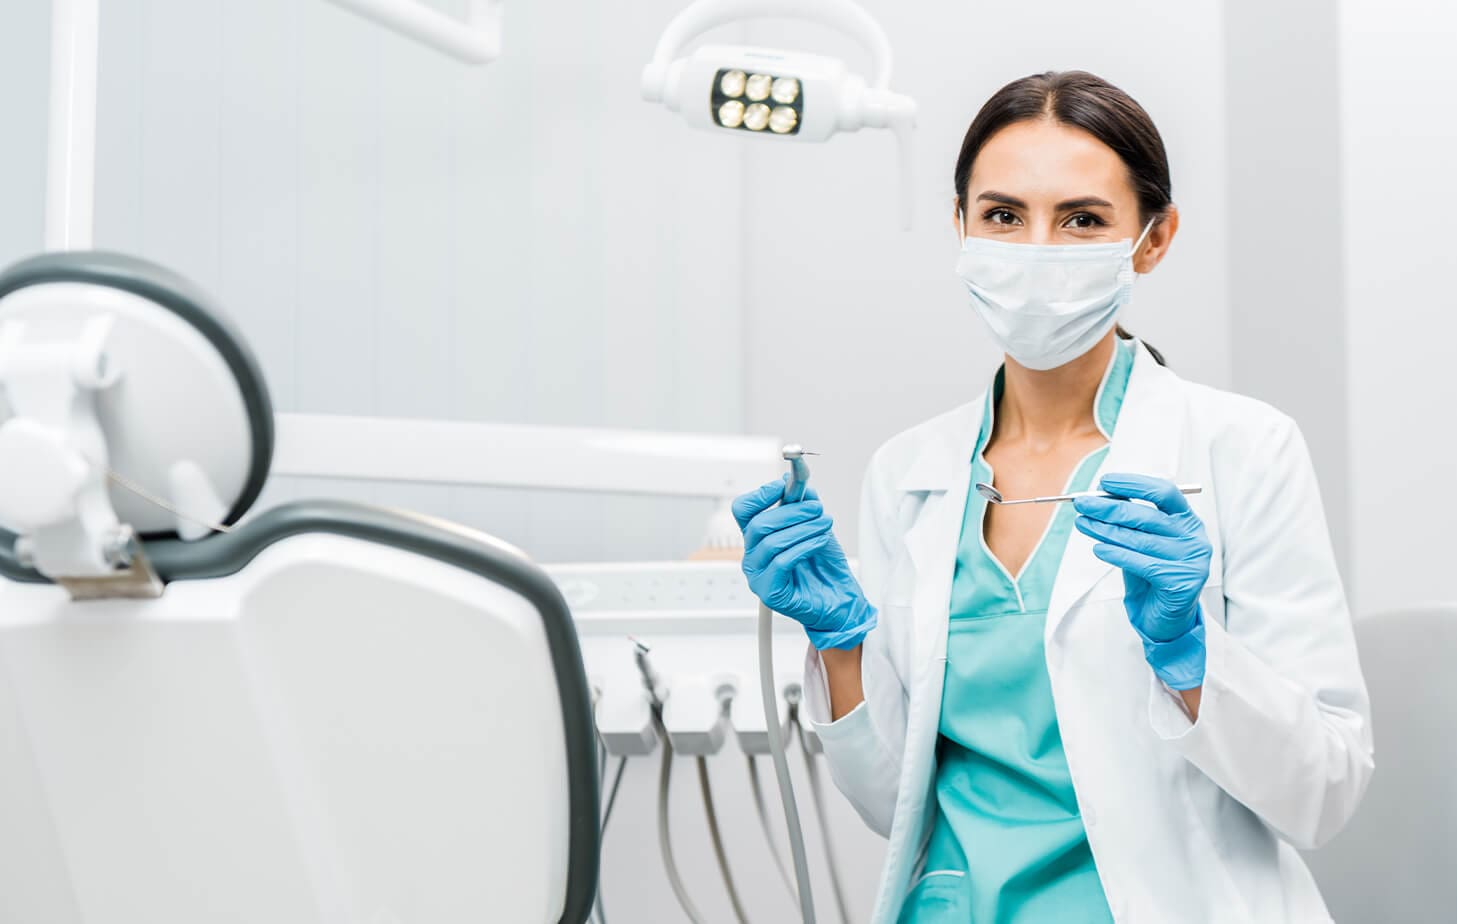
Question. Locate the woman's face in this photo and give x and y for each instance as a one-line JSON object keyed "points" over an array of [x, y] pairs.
{"points": [[1041, 182]]}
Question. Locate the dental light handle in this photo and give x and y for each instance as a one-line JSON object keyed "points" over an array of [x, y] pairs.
{"points": [[878, 107], [903, 153], [846, 16], [793, 493]]}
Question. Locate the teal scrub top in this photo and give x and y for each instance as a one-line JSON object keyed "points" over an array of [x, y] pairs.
{"points": [[1007, 844]]}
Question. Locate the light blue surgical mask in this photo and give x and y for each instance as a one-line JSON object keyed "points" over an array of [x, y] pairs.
{"points": [[1048, 304]]}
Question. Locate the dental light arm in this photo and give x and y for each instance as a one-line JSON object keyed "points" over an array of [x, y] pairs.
{"points": [[777, 93], [71, 148], [476, 40], [698, 18]]}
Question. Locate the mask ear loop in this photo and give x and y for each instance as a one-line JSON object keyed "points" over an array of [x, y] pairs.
{"points": [[1142, 237]]}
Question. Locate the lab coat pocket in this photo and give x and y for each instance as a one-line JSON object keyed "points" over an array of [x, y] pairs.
{"points": [[939, 895], [1229, 831], [1211, 600]]}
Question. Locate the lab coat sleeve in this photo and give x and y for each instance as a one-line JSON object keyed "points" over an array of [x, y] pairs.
{"points": [[1284, 721], [863, 748]]}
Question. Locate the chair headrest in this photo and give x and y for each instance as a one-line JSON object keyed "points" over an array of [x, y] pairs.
{"points": [[222, 399]]}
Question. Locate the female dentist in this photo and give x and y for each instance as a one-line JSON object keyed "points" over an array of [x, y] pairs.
{"points": [[1131, 709]]}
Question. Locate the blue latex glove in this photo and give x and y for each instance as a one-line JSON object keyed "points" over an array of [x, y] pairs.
{"points": [[796, 567], [1164, 554]]}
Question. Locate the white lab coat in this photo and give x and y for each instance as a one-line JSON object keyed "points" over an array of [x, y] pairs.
{"points": [[1188, 821]]}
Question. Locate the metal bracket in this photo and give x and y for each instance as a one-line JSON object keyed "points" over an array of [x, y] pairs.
{"points": [[137, 581], [133, 579]]}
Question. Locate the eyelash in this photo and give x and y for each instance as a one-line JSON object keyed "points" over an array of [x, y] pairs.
{"points": [[1096, 222]]}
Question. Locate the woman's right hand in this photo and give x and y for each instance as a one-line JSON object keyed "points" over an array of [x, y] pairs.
{"points": [[796, 567]]}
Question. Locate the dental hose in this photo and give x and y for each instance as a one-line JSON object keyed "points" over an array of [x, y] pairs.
{"points": [[665, 842], [793, 492], [717, 837], [758, 790], [816, 790], [600, 911]]}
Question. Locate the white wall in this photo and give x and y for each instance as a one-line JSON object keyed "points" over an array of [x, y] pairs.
{"points": [[1288, 303], [1398, 135], [401, 235], [24, 34]]}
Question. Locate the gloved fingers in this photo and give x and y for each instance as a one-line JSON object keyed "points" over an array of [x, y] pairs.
{"points": [[751, 503], [1142, 566], [1134, 539], [1133, 516], [805, 493], [768, 522], [768, 549], [789, 558], [1160, 492]]}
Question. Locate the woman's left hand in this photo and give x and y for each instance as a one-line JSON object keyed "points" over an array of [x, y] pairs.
{"points": [[1164, 553]]}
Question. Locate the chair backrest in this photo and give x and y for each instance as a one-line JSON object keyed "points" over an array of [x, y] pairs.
{"points": [[1394, 861], [333, 714]]}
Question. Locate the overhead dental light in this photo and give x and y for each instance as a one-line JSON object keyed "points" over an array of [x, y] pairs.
{"points": [[775, 93]]}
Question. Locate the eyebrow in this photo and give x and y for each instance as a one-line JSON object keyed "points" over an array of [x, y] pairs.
{"points": [[1081, 202]]}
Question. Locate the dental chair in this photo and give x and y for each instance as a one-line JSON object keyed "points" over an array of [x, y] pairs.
{"points": [[325, 713], [1393, 862]]}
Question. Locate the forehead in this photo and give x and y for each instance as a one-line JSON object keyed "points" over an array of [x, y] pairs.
{"points": [[1042, 158]]}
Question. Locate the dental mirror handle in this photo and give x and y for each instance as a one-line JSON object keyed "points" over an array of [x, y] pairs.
{"points": [[1058, 498]]}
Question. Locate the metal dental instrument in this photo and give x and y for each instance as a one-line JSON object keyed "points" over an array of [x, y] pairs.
{"points": [[995, 496], [652, 683], [793, 492], [798, 472]]}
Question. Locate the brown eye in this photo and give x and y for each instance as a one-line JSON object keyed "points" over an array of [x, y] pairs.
{"points": [[1084, 221], [1000, 217]]}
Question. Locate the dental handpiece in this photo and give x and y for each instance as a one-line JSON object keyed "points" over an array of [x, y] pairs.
{"points": [[798, 472], [793, 492]]}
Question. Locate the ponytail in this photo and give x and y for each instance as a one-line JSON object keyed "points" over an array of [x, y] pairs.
{"points": [[1157, 356]]}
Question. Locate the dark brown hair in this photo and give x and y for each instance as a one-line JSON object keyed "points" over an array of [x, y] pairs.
{"points": [[1088, 102]]}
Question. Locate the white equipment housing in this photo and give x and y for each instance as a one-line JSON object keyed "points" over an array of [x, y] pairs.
{"points": [[317, 738], [303, 718]]}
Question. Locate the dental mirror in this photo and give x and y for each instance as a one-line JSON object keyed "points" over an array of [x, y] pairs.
{"points": [[995, 496]]}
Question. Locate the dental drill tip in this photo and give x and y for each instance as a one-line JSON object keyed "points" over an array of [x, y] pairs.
{"points": [[642, 648]]}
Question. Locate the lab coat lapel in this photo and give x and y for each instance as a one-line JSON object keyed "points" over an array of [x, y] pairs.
{"points": [[1146, 441], [941, 471], [938, 476]]}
